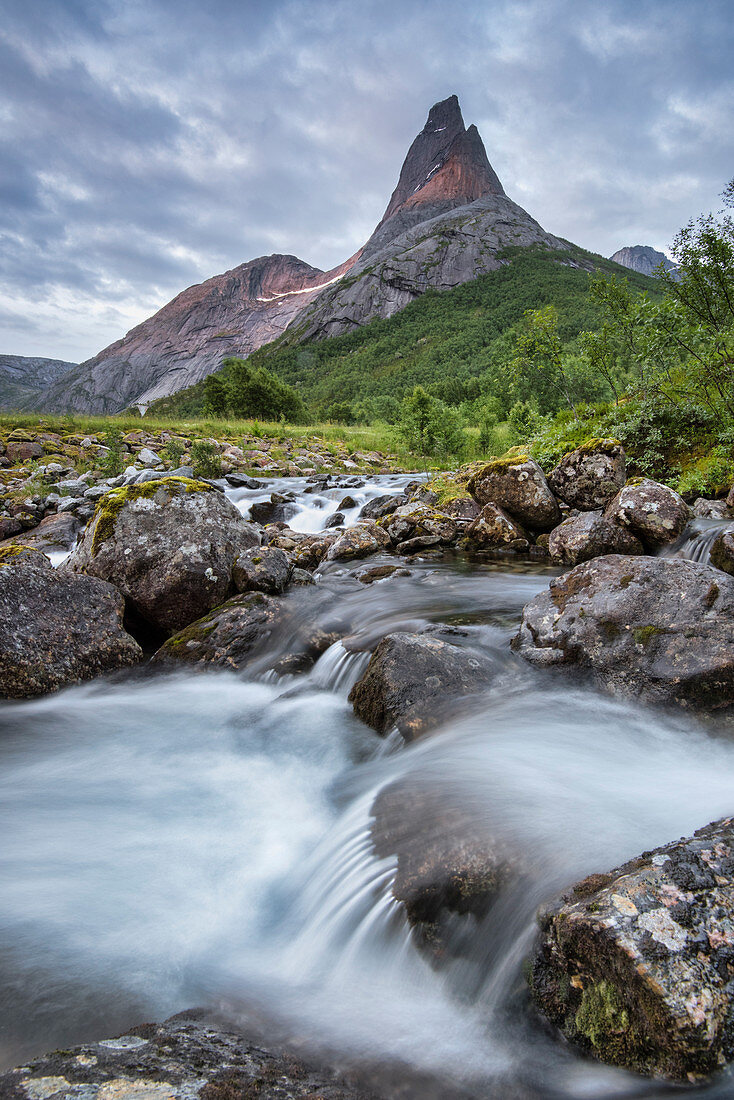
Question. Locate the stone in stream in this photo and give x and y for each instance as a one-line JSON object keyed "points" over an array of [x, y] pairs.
{"points": [[336, 519], [722, 550], [410, 521], [56, 630], [656, 514], [412, 681], [517, 484], [358, 542], [190, 1057], [707, 508], [589, 477], [262, 569], [637, 965], [446, 867], [168, 545], [659, 629], [55, 532], [493, 527], [381, 506], [589, 535]]}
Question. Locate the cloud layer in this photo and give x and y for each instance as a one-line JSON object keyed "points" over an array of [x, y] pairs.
{"points": [[148, 144]]}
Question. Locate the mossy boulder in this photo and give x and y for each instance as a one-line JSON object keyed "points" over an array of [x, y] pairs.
{"points": [[517, 484], [590, 476], [636, 965], [589, 535], [169, 545], [56, 630], [653, 512], [659, 629], [415, 519]]}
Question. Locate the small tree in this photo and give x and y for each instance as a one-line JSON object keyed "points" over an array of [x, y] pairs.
{"points": [[428, 427], [215, 397], [539, 352]]}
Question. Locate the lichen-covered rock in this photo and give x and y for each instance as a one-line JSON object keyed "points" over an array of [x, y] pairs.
{"points": [[381, 506], [445, 865], [262, 569], [517, 485], [358, 542], [169, 545], [722, 550], [588, 535], [655, 628], [637, 965], [590, 476], [56, 630], [706, 508], [55, 532], [411, 679], [653, 512], [229, 636], [493, 527], [415, 519], [462, 509], [189, 1056]]}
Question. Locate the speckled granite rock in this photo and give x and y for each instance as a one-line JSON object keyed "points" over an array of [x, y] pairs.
{"points": [[637, 965], [588, 535], [185, 1058], [589, 477], [653, 512], [517, 484]]}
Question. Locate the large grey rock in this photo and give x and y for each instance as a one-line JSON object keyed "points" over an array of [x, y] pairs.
{"points": [[493, 527], [358, 542], [56, 630], [410, 680], [589, 477], [381, 506], [517, 485], [189, 1057], [229, 636], [722, 550], [55, 532], [414, 520], [262, 569], [653, 512], [656, 628], [589, 535], [168, 545], [637, 965]]}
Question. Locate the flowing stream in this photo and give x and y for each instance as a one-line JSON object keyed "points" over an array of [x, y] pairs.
{"points": [[205, 838]]}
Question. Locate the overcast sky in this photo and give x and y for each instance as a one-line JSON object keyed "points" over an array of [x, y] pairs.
{"points": [[148, 144]]}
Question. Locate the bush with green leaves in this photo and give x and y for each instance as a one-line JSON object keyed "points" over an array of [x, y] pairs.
{"points": [[114, 462], [173, 453], [429, 428], [205, 459]]}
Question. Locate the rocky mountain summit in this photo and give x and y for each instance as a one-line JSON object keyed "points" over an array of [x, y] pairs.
{"points": [[642, 258], [22, 377], [447, 220]]}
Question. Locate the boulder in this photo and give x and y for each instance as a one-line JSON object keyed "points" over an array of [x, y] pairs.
{"points": [[56, 630], [262, 569], [462, 509], [517, 484], [590, 476], [242, 481], [655, 628], [55, 532], [653, 512], [381, 506], [722, 550], [358, 542], [730, 498], [23, 452], [168, 545], [189, 1056], [411, 520], [705, 508], [589, 535], [637, 965], [227, 637], [493, 527], [412, 678], [9, 526], [445, 866], [336, 519]]}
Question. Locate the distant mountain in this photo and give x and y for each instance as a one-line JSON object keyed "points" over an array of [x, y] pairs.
{"points": [[23, 377], [446, 223], [643, 258]]}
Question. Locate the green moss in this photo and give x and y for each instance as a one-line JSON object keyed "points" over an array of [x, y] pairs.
{"points": [[626, 580], [111, 504], [598, 445], [196, 632], [643, 634], [10, 554], [497, 465], [604, 1022]]}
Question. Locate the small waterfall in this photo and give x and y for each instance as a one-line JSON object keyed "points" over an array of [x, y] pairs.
{"points": [[338, 669], [696, 541]]}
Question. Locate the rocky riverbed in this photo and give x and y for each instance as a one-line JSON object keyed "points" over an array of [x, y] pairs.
{"points": [[393, 704]]}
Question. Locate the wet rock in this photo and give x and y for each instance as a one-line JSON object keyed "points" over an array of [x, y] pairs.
{"points": [[306, 550], [9, 526], [412, 520], [445, 866], [335, 520], [168, 545], [242, 481], [590, 476], [517, 485], [407, 678], [189, 1057], [268, 511], [418, 543], [347, 502], [654, 628], [230, 636], [653, 512], [722, 550], [588, 535], [637, 965], [358, 542], [56, 630], [705, 508], [381, 573], [463, 509], [55, 532], [381, 506], [493, 527], [262, 569]]}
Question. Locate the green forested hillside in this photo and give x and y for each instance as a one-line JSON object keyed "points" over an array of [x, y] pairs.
{"points": [[441, 341]]}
